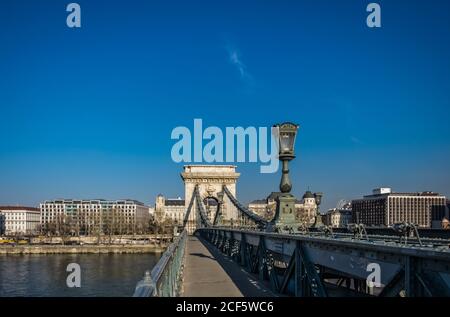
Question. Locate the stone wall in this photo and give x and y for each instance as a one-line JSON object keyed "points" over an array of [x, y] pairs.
{"points": [[86, 249]]}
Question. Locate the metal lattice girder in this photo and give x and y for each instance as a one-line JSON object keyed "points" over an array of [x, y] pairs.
{"points": [[304, 273], [434, 283], [262, 259], [313, 277], [243, 251], [418, 271], [288, 273], [393, 288], [230, 244]]}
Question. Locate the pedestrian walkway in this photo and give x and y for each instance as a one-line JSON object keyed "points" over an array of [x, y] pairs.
{"points": [[211, 274]]}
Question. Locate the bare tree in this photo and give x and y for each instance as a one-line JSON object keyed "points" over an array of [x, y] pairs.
{"points": [[120, 224], [108, 223], [49, 229], [64, 227], [152, 226]]}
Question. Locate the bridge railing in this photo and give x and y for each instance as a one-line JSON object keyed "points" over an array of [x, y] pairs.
{"points": [[164, 280], [338, 265]]}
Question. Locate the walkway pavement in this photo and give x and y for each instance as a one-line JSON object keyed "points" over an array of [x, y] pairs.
{"points": [[209, 273]]}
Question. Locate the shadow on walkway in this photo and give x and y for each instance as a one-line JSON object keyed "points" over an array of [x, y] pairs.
{"points": [[247, 283], [202, 255]]}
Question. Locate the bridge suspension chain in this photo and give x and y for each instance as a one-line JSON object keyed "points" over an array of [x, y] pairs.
{"points": [[217, 215], [245, 211], [188, 211], [201, 208]]}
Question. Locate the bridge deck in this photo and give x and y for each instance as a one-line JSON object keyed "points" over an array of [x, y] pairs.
{"points": [[209, 273]]}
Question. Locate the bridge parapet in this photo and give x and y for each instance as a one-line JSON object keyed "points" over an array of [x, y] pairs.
{"points": [[165, 277], [312, 265]]}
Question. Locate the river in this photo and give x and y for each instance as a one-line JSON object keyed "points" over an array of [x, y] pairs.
{"points": [[102, 275]]}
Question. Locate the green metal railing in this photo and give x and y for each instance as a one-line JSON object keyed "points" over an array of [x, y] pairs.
{"points": [[166, 276]]}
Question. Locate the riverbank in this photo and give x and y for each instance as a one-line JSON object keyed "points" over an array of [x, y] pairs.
{"points": [[85, 249]]}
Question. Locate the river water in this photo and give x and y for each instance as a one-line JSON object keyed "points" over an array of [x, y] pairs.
{"points": [[45, 275]]}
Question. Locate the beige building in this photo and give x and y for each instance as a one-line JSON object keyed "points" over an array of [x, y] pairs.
{"points": [[384, 208], [338, 218], [170, 208], [90, 216], [19, 219], [305, 208]]}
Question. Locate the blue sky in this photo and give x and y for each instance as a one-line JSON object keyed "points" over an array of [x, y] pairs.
{"points": [[88, 112]]}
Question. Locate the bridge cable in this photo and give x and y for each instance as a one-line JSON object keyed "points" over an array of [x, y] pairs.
{"points": [[245, 211], [201, 208], [218, 213], [188, 212]]}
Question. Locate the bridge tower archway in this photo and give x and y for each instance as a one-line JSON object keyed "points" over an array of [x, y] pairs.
{"points": [[210, 180]]}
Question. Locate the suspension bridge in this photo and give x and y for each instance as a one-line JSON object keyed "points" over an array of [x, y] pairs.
{"points": [[227, 250]]}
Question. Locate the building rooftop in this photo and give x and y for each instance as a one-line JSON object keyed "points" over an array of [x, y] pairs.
{"points": [[422, 194], [174, 202], [341, 211], [19, 208], [94, 201], [259, 201], [273, 195], [308, 194]]}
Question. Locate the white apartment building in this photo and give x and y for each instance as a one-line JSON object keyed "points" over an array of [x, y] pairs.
{"points": [[90, 216], [20, 219]]}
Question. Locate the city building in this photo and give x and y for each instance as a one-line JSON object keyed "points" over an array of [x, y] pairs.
{"points": [[305, 208], [20, 219], [170, 208], [338, 218], [2, 224], [384, 208], [94, 216]]}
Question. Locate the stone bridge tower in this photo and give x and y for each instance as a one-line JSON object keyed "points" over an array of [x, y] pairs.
{"points": [[210, 179]]}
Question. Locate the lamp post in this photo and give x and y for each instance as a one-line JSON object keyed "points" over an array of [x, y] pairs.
{"points": [[284, 219], [318, 218]]}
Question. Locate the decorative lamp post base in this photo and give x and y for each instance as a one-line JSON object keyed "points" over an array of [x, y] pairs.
{"points": [[284, 220]]}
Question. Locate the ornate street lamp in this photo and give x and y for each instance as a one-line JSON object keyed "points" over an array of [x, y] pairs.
{"points": [[318, 219], [286, 138], [284, 219]]}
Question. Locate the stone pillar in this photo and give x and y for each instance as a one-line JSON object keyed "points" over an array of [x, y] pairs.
{"points": [[210, 179]]}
